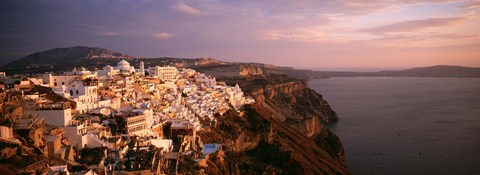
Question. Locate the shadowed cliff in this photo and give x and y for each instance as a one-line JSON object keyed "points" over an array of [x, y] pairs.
{"points": [[256, 143]]}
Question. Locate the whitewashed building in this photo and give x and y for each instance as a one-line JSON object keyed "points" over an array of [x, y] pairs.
{"points": [[163, 73]]}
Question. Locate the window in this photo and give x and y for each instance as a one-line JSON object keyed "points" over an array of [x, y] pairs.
{"points": [[63, 83], [76, 91], [71, 92]]}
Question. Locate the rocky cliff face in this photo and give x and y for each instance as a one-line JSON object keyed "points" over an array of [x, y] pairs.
{"points": [[256, 143], [282, 133], [300, 107], [206, 62], [298, 101], [250, 70], [21, 159]]}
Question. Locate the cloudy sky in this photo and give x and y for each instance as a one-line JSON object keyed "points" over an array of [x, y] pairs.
{"points": [[300, 33]]}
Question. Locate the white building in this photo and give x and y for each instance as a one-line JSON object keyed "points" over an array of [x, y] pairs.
{"points": [[66, 78], [123, 67], [164, 73], [58, 114], [107, 72], [141, 71], [79, 85], [137, 122], [84, 93], [235, 96], [137, 125], [78, 135], [166, 144]]}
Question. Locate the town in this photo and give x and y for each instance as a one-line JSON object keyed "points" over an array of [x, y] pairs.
{"points": [[114, 120]]}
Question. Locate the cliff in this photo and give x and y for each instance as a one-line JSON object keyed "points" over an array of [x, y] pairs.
{"points": [[297, 101], [256, 143], [301, 108], [282, 133], [250, 70]]}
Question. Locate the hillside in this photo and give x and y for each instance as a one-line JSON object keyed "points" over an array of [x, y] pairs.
{"points": [[435, 71], [432, 71], [60, 58]]}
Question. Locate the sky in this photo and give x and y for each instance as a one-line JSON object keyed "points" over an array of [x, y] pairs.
{"points": [[317, 34]]}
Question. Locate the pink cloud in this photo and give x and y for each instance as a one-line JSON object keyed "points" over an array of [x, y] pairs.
{"points": [[424, 37], [474, 5], [422, 40], [110, 33], [414, 25], [182, 7], [163, 35], [301, 35]]}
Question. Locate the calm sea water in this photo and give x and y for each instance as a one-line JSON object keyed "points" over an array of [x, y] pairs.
{"points": [[391, 125]]}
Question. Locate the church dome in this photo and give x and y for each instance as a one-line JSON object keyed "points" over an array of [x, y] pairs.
{"points": [[123, 65]]}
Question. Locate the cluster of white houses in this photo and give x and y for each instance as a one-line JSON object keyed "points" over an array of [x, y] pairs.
{"points": [[117, 109]]}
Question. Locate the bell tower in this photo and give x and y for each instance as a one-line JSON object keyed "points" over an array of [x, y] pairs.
{"points": [[142, 68]]}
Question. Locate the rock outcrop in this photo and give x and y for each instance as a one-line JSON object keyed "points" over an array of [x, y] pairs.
{"points": [[300, 107], [250, 70], [297, 100], [17, 158]]}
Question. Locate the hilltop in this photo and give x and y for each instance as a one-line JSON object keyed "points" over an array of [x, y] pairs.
{"points": [[436, 71], [59, 58], [431, 71]]}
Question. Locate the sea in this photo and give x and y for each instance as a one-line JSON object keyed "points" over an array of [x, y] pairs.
{"points": [[406, 125]]}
